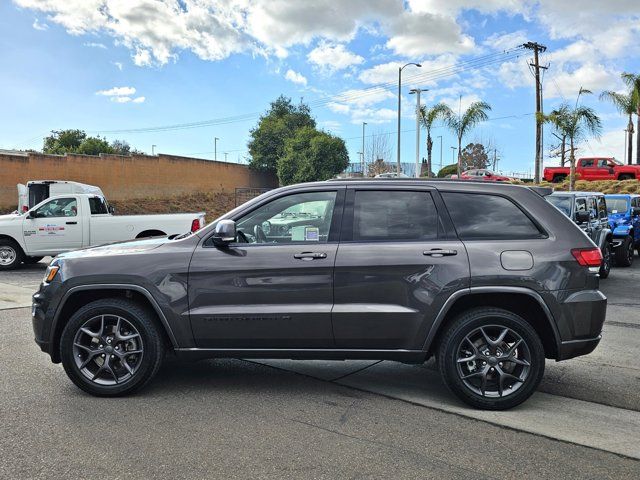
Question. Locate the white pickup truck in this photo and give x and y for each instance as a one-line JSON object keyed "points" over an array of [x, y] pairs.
{"points": [[71, 221]]}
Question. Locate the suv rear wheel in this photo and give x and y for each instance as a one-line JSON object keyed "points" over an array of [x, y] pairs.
{"points": [[605, 268], [111, 347], [491, 358]]}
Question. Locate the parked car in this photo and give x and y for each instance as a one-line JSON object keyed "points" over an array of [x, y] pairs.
{"points": [[624, 221], [594, 168], [589, 211], [392, 175], [72, 221], [36, 191], [489, 278], [484, 174]]}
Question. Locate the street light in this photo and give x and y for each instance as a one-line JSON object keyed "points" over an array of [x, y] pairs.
{"points": [[215, 148], [363, 161], [153, 149], [399, 107], [440, 137], [453, 154], [417, 91]]}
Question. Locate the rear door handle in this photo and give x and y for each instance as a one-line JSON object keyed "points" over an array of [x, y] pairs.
{"points": [[72, 223], [439, 252], [310, 255]]}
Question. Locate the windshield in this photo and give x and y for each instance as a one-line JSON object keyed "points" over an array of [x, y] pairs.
{"points": [[617, 205], [562, 203]]}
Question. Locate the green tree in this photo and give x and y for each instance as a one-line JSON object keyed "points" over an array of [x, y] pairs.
{"points": [[94, 146], [428, 116], [311, 155], [462, 124], [558, 117], [63, 141], [624, 103], [633, 83], [474, 155], [448, 170], [578, 123], [280, 123]]}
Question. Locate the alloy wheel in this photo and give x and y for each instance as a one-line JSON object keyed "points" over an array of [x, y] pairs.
{"points": [[493, 361], [108, 349]]}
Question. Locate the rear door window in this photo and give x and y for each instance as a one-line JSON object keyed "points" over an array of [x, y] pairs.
{"points": [[394, 216], [491, 217]]}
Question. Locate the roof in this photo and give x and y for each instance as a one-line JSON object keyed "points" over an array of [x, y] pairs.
{"points": [[576, 193]]}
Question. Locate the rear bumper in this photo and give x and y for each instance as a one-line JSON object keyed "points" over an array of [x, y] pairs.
{"points": [[576, 348]]}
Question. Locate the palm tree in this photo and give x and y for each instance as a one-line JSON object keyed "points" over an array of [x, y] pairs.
{"points": [[428, 116], [577, 123], [461, 125], [625, 105], [633, 82], [557, 118]]}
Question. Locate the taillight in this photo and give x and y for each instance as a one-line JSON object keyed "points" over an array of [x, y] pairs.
{"points": [[195, 225], [587, 257]]}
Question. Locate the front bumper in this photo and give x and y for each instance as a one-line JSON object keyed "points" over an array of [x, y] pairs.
{"points": [[43, 304]]}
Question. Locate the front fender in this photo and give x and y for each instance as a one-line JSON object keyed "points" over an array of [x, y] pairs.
{"points": [[622, 230], [601, 240]]}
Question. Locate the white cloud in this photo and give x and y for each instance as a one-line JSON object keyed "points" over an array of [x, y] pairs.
{"points": [[505, 41], [139, 100], [118, 65], [333, 57], [388, 72], [121, 99], [592, 76], [296, 77], [117, 91], [40, 26], [95, 45], [364, 97]]}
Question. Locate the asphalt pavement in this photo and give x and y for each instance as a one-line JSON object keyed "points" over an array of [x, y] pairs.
{"points": [[294, 419]]}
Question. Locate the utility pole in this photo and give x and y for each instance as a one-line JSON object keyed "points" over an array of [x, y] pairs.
{"points": [[453, 154], [440, 137], [417, 92], [537, 49], [225, 156], [153, 149], [215, 148], [363, 161], [399, 108]]}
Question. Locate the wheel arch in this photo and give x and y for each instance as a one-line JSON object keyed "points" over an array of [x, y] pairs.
{"points": [[4, 236], [522, 301], [78, 296]]}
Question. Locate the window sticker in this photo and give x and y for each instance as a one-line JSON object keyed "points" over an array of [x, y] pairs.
{"points": [[311, 234]]}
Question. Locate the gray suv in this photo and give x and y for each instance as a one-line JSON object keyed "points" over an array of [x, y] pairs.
{"points": [[488, 278]]}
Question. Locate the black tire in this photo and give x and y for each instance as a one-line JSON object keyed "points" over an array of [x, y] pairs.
{"points": [[559, 178], [457, 378], [605, 268], [624, 253], [625, 176], [11, 255], [151, 347], [31, 260]]}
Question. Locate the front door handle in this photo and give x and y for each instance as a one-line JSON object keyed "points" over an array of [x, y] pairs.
{"points": [[72, 223], [310, 255], [439, 252]]}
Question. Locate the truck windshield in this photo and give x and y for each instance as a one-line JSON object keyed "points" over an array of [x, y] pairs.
{"points": [[617, 205], [562, 203]]}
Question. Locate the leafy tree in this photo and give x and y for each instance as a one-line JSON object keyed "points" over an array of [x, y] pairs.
{"points": [[448, 170], [311, 155], [63, 141], [428, 117], [557, 117], [624, 103], [120, 147], [462, 124], [474, 155], [578, 123], [94, 146], [280, 123]]}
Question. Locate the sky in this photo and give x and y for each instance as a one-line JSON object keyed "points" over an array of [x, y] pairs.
{"points": [[178, 73]]}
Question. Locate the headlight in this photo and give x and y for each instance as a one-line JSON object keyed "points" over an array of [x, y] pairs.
{"points": [[50, 274]]}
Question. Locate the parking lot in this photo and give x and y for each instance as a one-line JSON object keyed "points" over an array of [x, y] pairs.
{"points": [[293, 419]]}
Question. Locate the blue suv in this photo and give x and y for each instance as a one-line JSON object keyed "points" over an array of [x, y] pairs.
{"points": [[624, 220]]}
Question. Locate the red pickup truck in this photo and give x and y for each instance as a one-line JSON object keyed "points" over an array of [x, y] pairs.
{"points": [[594, 168]]}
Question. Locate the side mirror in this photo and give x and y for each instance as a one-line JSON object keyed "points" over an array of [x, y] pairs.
{"points": [[635, 211], [488, 174], [582, 217], [111, 209], [224, 233]]}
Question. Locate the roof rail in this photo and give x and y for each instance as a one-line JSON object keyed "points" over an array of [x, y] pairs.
{"points": [[542, 191]]}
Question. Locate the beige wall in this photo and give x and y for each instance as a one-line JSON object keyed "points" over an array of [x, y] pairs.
{"points": [[125, 177]]}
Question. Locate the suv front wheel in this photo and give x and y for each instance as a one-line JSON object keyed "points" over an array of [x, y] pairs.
{"points": [[111, 347], [491, 358]]}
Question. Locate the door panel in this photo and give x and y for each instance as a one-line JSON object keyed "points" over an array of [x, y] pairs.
{"points": [[262, 297], [274, 288], [395, 268], [57, 226]]}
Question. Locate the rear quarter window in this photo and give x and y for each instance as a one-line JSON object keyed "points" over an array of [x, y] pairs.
{"points": [[479, 216]]}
